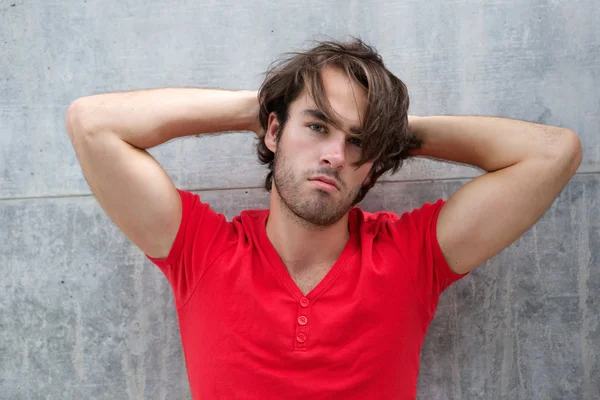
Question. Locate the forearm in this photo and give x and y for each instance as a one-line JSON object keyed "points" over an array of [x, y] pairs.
{"points": [[147, 118], [489, 143]]}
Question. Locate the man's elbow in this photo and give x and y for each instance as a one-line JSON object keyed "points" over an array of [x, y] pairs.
{"points": [[77, 118], [566, 150], [574, 150]]}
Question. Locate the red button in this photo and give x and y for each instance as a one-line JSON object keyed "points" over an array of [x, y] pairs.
{"points": [[301, 337], [302, 320], [304, 302]]}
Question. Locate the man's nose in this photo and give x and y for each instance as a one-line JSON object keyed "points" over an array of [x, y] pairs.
{"points": [[335, 152]]}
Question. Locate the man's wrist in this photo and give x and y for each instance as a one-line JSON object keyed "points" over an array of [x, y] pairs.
{"points": [[248, 111]]}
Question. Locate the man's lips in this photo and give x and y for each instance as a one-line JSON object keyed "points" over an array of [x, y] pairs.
{"points": [[327, 180]]}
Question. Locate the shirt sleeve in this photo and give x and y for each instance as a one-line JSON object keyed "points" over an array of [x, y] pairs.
{"points": [[415, 236], [202, 236]]}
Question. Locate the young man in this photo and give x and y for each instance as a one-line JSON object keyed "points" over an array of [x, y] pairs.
{"points": [[314, 298]]}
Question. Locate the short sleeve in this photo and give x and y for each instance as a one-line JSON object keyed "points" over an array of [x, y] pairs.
{"points": [[415, 236], [202, 236]]}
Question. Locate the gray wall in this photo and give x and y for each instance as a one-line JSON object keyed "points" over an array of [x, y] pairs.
{"points": [[84, 315]]}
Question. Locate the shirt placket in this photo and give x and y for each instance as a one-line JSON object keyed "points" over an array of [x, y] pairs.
{"points": [[302, 324]]}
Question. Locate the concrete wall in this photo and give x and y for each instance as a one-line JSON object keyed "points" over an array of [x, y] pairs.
{"points": [[83, 315]]}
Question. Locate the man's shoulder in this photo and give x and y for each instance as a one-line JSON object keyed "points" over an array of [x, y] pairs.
{"points": [[399, 212], [375, 221]]}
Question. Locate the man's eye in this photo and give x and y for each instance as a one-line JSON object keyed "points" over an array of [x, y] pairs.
{"points": [[317, 127], [356, 141]]}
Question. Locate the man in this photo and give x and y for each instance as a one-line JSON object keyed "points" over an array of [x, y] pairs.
{"points": [[314, 298]]}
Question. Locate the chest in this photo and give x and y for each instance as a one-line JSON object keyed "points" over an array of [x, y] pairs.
{"points": [[331, 305], [264, 305], [357, 322], [270, 342]]}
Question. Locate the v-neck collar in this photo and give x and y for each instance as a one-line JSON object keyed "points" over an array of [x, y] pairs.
{"points": [[283, 274]]}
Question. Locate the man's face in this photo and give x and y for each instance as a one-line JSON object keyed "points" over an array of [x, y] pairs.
{"points": [[311, 147]]}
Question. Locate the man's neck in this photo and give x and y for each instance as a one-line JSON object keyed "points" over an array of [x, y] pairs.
{"points": [[303, 247]]}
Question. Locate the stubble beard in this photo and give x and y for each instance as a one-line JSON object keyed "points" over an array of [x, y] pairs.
{"points": [[319, 209]]}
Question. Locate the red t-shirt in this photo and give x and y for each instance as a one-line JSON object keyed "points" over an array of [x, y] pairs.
{"points": [[248, 332]]}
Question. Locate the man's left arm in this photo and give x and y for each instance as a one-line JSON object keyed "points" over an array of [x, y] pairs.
{"points": [[527, 166]]}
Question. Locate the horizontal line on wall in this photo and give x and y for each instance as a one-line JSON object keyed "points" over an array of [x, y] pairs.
{"points": [[67, 196]]}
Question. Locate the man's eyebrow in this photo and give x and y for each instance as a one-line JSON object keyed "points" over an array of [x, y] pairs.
{"points": [[320, 115]]}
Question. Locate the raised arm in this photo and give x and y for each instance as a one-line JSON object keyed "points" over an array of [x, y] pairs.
{"points": [[527, 166], [110, 133]]}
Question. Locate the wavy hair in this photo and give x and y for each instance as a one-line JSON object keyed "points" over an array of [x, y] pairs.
{"points": [[386, 139]]}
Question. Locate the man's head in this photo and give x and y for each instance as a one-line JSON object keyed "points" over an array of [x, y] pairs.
{"points": [[332, 111]]}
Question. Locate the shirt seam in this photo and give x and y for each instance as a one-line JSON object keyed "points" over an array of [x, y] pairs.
{"points": [[202, 276]]}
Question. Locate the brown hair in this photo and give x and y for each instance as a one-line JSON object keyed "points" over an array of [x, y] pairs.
{"points": [[386, 139]]}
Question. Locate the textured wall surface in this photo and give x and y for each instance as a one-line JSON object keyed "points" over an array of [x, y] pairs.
{"points": [[83, 315]]}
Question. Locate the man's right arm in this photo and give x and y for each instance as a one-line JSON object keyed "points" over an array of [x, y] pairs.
{"points": [[110, 133]]}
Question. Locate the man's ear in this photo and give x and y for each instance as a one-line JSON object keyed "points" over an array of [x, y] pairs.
{"points": [[271, 132]]}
